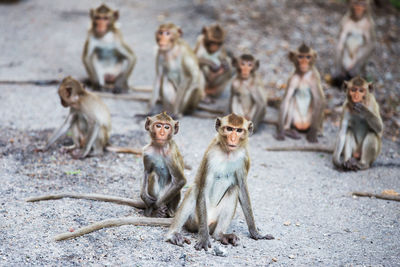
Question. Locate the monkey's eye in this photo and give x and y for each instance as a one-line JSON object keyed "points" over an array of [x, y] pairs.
{"points": [[300, 56], [250, 64], [160, 32], [239, 130], [167, 33], [166, 127], [354, 89], [229, 129], [308, 57], [361, 90], [158, 125]]}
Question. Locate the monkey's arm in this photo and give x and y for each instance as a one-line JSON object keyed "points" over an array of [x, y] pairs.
{"points": [[318, 103], [374, 121], [124, 49], [363, 52], [284, 108], [178, 180], [144, 195], [235, 105], [245, 203], [341, 139], [61, 130], [94, 133], [88, 58], [157, 84], [342, 38], [259, 100]]}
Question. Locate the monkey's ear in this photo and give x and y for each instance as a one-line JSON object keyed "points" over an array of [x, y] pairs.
{"points": [[176, 127], [180, 32], [235, 62], [345, 85], [217, 124], [292, 56], [314, 54], [256, 65], [250, 128], [116, 15], [147, 124], [92, 13], [371, 87], [204, 30]]}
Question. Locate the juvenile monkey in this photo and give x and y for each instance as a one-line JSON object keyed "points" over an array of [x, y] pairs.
{"points": [[163, 168], [89, 120], [179, 82], [248, 98], [302, 108], [356, 41], [213, 59], [360, 136], [107, 58], [210, 204]]}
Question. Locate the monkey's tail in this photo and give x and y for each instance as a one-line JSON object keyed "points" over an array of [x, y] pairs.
{"points": [[114, 222], [136, 203], [322, 149], [119, 149]]}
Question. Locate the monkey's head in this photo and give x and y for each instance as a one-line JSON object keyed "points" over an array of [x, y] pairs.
{"points": [[233, 131], [214, 37], [70, 92], [167, 35], [303, 58], [358, 90], [103, 19], [246, 66], [358, 9], [161, 128]]}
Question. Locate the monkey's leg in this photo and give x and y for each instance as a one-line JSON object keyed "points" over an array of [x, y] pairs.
{"points": [[114, 222], [137, 203], [173, 205], [369, 150], [225, 212], [168, 96], [350, 146], [291, 133], [191, 101]]}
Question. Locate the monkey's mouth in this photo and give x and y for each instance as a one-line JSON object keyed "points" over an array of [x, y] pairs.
{"points": [[232, 146]]}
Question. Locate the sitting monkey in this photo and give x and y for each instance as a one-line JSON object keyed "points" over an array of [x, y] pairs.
{"points": [[214, 60], [248, 98], [360, 136], [107, 58]]}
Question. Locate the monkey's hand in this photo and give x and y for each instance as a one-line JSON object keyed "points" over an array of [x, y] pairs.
{"points": [[280, 136], [203, 242], [178, 239], [351, 165], [227, 239], [312, 136], [256, 235], [161, 212], [76, 154], [147, 199], [215, 68], [360, 108]]}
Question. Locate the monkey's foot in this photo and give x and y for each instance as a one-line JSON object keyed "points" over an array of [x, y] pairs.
{"points": [[257, 236], [280, 136], [351, 165], [227, 239], [178, 239], [66, 149], [203, 243], [161, 212], [312, 137], [291, 133]]}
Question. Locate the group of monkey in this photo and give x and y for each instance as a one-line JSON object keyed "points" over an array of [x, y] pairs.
{"points": [[183, 79]]}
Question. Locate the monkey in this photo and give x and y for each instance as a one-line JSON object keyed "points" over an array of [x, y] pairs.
{"points": [[89, 120], [302, 108], [108, 60], [356, 41], [215, 61], [248, 98], [210, 203], [179, 82], [163, 168], [360, 136]]}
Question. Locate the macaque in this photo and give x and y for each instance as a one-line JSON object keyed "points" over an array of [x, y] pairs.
{"points": [[214, 60], [210, 204], [107, 58], [89, 120], [248, 98], [356, 41], [360, 136], [179, 82], [302, 108], [163, 168]]}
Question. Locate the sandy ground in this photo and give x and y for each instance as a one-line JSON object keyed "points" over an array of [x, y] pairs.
{"points": [[298, 197]]}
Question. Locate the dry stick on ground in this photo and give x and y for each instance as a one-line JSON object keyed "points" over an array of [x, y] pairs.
{"points": [[137, 203], [123, 97], [120, 149], [142, 89], [33, 82], [115, 222], [381, 196], [316, 148]]}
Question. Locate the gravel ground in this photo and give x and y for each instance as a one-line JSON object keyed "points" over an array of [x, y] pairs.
{"points": [[298, 197]]}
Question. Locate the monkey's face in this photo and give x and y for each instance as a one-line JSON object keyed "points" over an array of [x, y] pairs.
{"points": [[357, 94], [212, 46], [101, 24], [164, 38], [233, 137], [359, 8], [304, 62], [162, 132], [245, 68]]}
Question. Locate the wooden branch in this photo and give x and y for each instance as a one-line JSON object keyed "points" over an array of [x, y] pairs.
{"points": [[33, 82], [142, 89], [122, 96], [317, 148], [380, 196], [211, 110]]}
